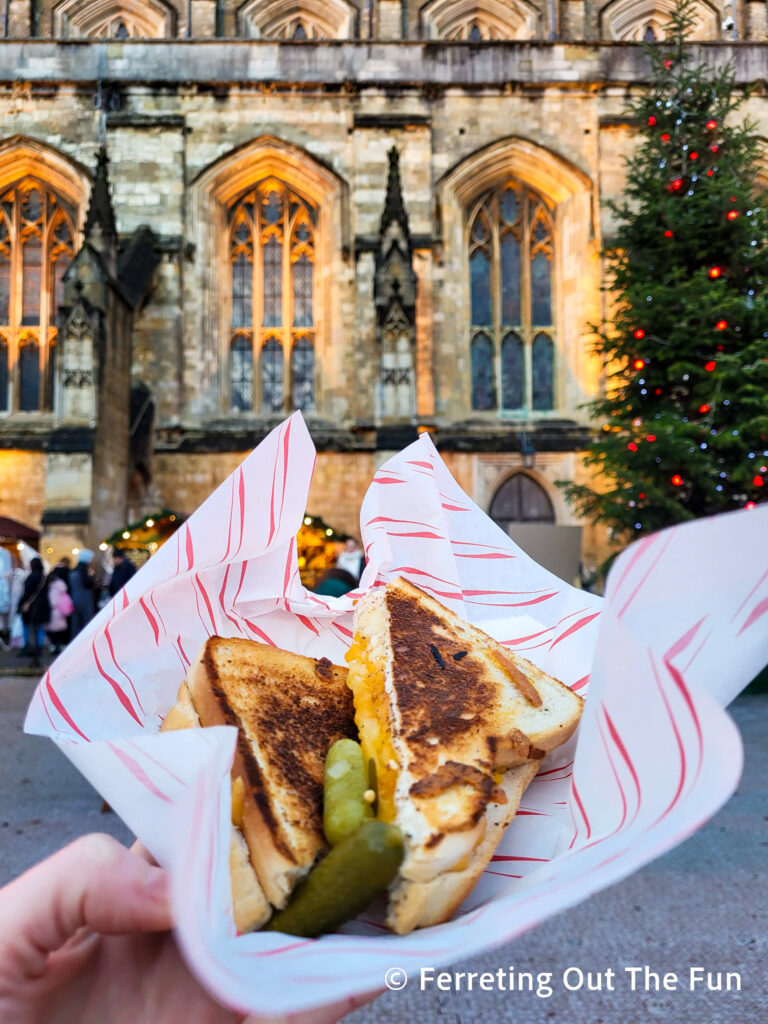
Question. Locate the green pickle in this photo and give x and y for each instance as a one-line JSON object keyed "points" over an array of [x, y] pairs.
{"points": [[345, 808], [343, 884]]}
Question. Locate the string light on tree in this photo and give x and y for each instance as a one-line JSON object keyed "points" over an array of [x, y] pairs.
{"points": [[697, 392]]}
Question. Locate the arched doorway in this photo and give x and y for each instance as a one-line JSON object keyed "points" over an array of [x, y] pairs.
{"points": [[520, 499], [525, 512]]}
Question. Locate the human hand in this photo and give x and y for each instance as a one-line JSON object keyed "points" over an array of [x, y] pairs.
{"points": [[85, 940]]}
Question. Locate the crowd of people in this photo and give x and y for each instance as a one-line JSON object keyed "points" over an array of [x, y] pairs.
{"points": [[43, 611]]}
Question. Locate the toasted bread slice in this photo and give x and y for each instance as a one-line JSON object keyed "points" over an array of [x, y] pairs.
{"points": [[445, 711], [289, 710], [420, 904], [250, 907]]}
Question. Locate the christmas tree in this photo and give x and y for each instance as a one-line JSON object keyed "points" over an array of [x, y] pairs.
{"points": [[683, 422]]}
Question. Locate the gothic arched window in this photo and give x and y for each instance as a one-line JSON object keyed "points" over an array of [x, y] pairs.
{"points": [[272, 246], [511, 252], [36, 248], [4, 378]]}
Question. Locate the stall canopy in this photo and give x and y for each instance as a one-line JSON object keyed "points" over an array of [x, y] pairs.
{"points": [[12, 529]]}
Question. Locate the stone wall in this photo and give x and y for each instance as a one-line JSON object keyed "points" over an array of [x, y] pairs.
{"points": [[22, 486], [186, 123], [383, 19]]}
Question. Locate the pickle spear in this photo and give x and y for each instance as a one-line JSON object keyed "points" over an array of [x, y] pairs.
{"points": [[345, 807], [342, 885]]}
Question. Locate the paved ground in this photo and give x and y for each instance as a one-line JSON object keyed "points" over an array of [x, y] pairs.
{"points": [[705, 903]]}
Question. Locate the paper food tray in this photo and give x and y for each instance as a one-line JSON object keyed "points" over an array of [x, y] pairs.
{"points": [[682, 630]]}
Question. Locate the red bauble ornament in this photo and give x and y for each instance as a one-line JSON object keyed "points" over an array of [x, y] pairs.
{"points": [[709, 367], [693, 156], [750, 504], [632, 446], [651, 438], [651, 120], [703, 409], [641, 494], [666, 137], [639, 333], [669, 234], [711, 125], [732, 214], [710, 173], [667, 64], [677, 480], [715, 272], [721, 325], [676, 185], [758, 481], [658, 391], [714, 148]]}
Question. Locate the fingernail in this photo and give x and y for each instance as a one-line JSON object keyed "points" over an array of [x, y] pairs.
{"points": [[156, 887]]}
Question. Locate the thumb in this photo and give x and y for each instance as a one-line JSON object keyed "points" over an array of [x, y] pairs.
{"points": [[95, 883]]}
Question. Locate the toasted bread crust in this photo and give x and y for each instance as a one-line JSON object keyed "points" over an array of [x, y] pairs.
{"points": [[421, 904], [489, 707], [289, 710], [464, 718], [249, 904]]}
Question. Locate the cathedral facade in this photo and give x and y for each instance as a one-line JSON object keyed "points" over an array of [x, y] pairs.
{"points": [[386, 213]]}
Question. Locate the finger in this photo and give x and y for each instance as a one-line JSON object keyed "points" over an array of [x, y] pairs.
{"points": [[141, 851], [94, 882]]}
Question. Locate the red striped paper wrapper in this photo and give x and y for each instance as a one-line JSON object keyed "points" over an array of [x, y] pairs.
{"points": [[681, 631]]}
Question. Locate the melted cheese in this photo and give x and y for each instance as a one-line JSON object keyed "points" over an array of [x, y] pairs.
{"points": [[366, 681], [238, 801]]}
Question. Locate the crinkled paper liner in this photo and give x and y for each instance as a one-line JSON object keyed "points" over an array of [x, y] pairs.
{"points": [[681, 631]]}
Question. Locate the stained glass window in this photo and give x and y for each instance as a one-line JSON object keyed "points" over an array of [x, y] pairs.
{"points": [[303, 374], [3, 375], [541, 288], [511, 252], [36, 248], [480, 265], [483, 376], [5, 288], [241, 373], [272, 376], [272, 248], [29, 375], [542, 372], [510, 280], [512, 372], [273, 283]]}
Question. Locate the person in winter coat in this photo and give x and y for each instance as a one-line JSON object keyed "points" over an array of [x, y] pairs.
{"points": [[82, 590], [62, 608], [122, 572], [35, 610]]}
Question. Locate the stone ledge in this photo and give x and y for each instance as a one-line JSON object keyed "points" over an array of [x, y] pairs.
{"points": [[436, 65]]}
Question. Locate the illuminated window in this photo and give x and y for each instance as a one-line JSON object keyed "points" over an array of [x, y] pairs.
{"points": [[36, 248], [511, 250], [272, 247]]}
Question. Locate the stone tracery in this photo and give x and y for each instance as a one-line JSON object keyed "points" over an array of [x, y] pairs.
{"points": [[120, 19]]}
